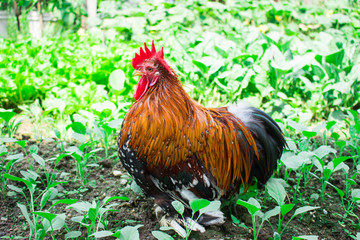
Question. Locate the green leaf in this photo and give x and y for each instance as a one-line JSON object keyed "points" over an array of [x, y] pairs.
{"points": [[57, 133], [14, 188], [252, 208], [45, 197], [303, 210], [215, 66], [335, 58], [117, 79], [276, 191], [277, 236], [7, 115], [323, 150], [179, 207], [161, 235], [339, 160], [61, 156], [81, 206], [48, 216], [212, 207], [26, 215], [77, 127], [309, 134], [108, 199], [22, 143], [340, 18], [55, 184], [128, 233], [306, 237], [330, 124], [27, 183], [8, 140], [327, 173], [38, 159], [93, 212], [203, 68], [15, 156], [273, 212], [355, 194], [72, 234], [295, 161], [197, 204], [33, 149], [336, 136], [3, 150], [64, 201], [57, 223], [286, 208], [101, 234]]}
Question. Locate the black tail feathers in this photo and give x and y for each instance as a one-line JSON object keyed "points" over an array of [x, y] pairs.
{"points": [[268, 137]]}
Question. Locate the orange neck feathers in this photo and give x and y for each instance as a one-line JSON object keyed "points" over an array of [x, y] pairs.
{"points": [[168, 127]]}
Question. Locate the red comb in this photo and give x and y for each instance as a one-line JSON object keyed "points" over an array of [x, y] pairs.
{"points": [[148, 54]]}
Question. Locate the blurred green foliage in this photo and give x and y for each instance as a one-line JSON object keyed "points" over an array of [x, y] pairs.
{"points": [[289, 58]]}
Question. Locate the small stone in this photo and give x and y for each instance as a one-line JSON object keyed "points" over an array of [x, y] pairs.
{"points": [[123, 181], [117, 173]]}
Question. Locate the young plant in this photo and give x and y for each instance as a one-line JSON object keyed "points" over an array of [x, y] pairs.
{"points": [[6, 166], [300, 164], [22, 144], [353, 142], [106, 132], [58, 136], [351, 203], [36, 204], [81, 154], [82, 159], [253, 206], [327, 170], [10, 125], [277, 191], [93, 215]]}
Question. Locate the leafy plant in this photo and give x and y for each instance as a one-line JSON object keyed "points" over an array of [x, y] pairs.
{"points": [[93, 216], [37, 203], [10, 126]]}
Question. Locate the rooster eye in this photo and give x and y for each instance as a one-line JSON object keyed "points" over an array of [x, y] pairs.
{"points": [[149, 69]]}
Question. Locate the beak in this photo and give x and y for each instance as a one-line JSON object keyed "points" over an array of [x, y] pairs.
{"points": [[137, 73]]}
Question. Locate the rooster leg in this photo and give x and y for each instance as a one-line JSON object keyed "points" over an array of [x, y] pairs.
{"points": [[166, 221], [177, 224]]}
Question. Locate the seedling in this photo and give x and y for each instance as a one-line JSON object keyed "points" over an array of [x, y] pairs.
{"points": [[10, 125], [31, 214], [93, 215], [7, 165]]}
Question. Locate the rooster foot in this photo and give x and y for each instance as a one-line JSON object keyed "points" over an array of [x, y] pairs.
{"points": [[177, 224]]}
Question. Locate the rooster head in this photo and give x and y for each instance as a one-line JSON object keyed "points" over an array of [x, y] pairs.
{"points": [[150, 65]]}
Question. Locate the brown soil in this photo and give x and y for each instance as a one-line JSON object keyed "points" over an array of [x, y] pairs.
{"points": [[328, 222]]}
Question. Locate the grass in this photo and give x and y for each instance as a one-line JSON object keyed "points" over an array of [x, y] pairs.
{"points": [[298, 62]]}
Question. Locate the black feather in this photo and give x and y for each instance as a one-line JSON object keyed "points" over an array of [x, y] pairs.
{"points": [[268, 137]]}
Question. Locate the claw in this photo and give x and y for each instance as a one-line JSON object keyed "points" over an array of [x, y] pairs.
{"points": [[194, 226], [171, 222]]}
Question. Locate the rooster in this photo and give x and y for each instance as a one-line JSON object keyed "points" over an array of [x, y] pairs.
{"points": [[176, 149]]}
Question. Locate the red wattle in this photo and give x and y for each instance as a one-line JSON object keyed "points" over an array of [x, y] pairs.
{"points": [[141, 88]]}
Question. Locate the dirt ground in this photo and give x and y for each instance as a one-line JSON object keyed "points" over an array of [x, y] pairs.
{"points": [[327, 221]]}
